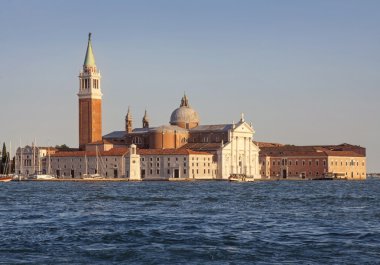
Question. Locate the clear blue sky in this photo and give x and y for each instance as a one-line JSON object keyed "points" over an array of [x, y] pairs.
{"points": [[304, 72]]}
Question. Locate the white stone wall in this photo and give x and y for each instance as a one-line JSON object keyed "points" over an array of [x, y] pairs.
{"points": [[75, 166], [240, 155], [160, 166], [30, 160]]}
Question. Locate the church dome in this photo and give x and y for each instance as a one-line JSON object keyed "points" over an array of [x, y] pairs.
{"points": [[185, 116]]}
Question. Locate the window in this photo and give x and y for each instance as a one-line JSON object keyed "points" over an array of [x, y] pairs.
{"points": [[151, 159], [274, 163], [184, 171], [158, 164], [168, 158], [309, 162], [168, 171], [303, 162], [184, 164], [151, 171], [157, 159], [176, 159], [168, 164], [290, 162], [317, 162], [296, 162], [324, 162], [158, 172]]}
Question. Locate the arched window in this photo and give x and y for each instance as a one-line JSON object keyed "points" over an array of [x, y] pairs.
{"points": [[136, 140]]}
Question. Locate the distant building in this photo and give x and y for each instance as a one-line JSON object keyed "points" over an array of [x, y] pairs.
{"points": [[229, 148], [185, 148], [32, 159], [287, 161]]}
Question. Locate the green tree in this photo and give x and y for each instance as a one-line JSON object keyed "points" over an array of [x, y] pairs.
{"points": [[62, 147], [4, 157]]}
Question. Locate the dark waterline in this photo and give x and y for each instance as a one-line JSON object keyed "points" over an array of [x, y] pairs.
{"points": [[305, 222]]}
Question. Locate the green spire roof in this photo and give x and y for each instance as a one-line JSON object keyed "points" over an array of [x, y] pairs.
{"points": [[89, 60]]}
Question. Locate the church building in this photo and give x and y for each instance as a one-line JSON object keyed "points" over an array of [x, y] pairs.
{"points": [[184, 148]]}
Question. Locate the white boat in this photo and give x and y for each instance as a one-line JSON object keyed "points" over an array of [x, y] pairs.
{"points": [[240, 178], [41, 177], [96, 175], [91, 176]]}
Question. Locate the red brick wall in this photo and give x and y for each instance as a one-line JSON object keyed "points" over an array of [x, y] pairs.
{"points": [[90, 121]]}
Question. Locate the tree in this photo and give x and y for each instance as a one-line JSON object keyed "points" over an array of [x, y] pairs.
{"points": [[4, 157], [62, 147]]}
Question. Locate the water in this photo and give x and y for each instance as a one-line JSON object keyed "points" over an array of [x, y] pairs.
{"points": [[305, 222]]}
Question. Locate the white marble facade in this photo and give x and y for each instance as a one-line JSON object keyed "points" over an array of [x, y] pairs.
{"points": [[239, 155]]}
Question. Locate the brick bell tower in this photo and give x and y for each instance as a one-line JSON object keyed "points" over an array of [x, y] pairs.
{"points": [[90, 100]]}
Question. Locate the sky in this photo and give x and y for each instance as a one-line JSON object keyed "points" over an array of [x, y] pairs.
{"points": [[303, 72]]}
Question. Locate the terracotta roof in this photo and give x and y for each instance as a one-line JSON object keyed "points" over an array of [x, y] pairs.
{"points": [[122, 151], [292, 150], [112, 152]]}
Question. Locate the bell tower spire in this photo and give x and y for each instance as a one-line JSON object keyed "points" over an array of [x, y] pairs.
{"points": [[90, 100], [128, 121], [145, 120]]}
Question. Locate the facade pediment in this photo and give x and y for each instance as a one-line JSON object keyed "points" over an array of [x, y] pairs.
{"points": [[244, 127]]}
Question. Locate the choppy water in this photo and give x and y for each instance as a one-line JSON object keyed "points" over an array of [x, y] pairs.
{"points": [[306, 222]]}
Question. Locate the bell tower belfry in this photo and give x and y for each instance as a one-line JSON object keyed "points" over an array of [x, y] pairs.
{"points": [[90, 100]]}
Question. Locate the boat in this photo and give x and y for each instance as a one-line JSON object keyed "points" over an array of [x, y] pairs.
{"points": [[96, 175], [41, 177], [91, 176], [240, 178], [6, 178], [38, 175]]}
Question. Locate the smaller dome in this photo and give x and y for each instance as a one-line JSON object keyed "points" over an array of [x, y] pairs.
{"points": [[184, 116]]}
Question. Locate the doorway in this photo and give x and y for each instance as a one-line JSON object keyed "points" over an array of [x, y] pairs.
{"points": [[284, 174], [176, 173]]}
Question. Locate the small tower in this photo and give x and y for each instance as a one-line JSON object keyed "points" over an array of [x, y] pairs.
{"points": [[90, 100], [133, 164], [184, 101], [128, 121], [145, 120]]}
